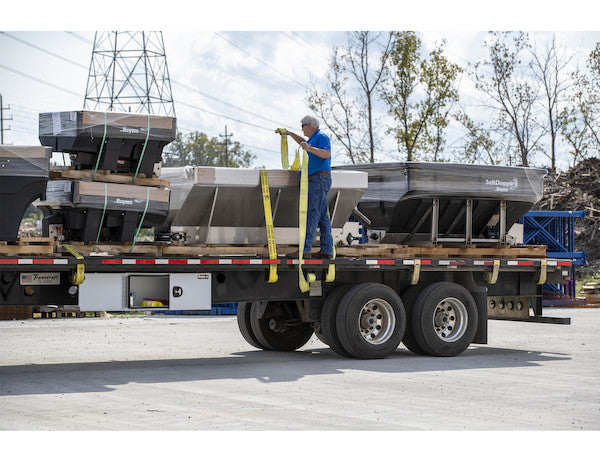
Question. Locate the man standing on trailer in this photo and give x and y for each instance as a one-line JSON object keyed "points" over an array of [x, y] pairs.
{"points": [[318, 148]]}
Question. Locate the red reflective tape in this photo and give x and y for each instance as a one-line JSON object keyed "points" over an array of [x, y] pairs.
{"points": [[563, 263], [112, 261], [425, 262], [209, 262], [271, 262], [145, 262], [386, 262], [524, 263], [43, 261], [9, 261], [488, 263], [240, 262], [177, 262], [313, 262]]}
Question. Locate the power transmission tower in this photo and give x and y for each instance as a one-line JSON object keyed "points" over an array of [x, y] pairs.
{"points": [[2, 119], [129, 73], [226, 136]]}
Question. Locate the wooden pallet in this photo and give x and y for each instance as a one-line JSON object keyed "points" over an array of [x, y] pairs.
{"points": [[107, 177], [8, 313], [360, 251], [28, 246]]}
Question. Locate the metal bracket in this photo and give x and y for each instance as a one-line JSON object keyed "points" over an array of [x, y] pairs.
{"points": [[491, 277], [416, 273], [542, 274]]}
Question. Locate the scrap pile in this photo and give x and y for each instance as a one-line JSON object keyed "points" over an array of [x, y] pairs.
{"points": [[578, 189]]}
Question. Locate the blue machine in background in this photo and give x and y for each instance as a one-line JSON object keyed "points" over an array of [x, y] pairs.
{"points": [[556, 230]]}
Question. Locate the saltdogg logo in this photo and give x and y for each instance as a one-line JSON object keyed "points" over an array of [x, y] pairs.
{"points": [[502, 185]]}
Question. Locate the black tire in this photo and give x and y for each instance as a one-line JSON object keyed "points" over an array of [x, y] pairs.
{"points": [[289, 338], [328, 320], [371, 321], [444, 319], [408, 298], [243, 320]]}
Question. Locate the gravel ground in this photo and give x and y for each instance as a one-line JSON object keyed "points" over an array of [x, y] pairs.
{"points": [[197, 373]]}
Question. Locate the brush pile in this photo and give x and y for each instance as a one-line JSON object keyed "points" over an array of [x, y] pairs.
{"points": [[578, 189]]}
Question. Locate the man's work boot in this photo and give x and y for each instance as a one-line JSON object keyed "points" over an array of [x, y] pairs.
{"points": [[322, 255]]}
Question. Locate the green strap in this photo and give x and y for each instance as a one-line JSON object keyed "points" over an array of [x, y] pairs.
{"points": [[143, 151], [101, 148], [103, 212], [142, 219]]}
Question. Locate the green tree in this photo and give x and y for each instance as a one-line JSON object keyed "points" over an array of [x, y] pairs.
{"points": [[420, 92], [196, 148]]}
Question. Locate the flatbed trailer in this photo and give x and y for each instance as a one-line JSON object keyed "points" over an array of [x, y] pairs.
{"points": [[433, 305]]}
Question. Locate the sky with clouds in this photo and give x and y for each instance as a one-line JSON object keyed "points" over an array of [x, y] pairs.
{"points": [[240, 68]]}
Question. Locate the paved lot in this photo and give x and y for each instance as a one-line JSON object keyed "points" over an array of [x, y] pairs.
{"points": [[197, 373]]}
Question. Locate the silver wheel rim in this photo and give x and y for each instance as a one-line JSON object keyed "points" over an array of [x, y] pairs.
{"points": [[376, 321], [450, 319]]}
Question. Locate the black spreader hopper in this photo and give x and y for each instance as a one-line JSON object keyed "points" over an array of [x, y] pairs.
{"points": [[436, 202], [126, 136], [23, 178]]}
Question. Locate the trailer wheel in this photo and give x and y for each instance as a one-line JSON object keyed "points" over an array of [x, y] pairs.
{"points": [[408, 298], [444, 319], [280, 328], [243, 320], [328, 320], [371, 321]]}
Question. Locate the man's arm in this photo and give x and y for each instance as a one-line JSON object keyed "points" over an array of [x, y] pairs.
{"points": [[322, 153]]}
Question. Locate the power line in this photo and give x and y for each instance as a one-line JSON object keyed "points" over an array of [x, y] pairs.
{"points": [[23, 74], [226, 103], [83, 39], [304, 45], [43, 50], [261, 61], [310, 44], [224, 116]]}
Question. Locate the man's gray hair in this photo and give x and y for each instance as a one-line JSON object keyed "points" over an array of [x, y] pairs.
{"points": [[310, 120]]}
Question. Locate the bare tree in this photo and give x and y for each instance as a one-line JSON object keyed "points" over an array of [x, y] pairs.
{"points": [[338, 111], [357, 56], [513, 96], [548, 66], [352, 70], [580, 118]]}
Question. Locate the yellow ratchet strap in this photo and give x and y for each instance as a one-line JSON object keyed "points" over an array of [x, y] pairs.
{"points": [[79, 275], [264, 183], [285, 161], [330, 276], [302, 212]]}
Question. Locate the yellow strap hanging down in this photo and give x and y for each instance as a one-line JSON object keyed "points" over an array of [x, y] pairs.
{"points": [[302, 211], [264, 183], [79, 275]]}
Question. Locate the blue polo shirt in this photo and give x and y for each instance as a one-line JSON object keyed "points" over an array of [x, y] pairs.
{"points": [[315, 163]]}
